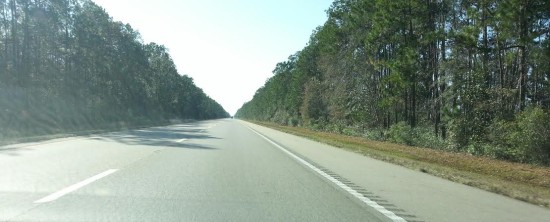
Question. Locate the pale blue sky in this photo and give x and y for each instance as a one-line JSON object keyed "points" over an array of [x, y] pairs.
{"points": [[229, 47]]}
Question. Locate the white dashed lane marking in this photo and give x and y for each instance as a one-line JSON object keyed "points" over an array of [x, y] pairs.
{"points": [[76, 186]]}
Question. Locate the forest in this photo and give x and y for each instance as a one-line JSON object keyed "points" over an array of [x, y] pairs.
{"points": [[66, 66], [467, 76]]}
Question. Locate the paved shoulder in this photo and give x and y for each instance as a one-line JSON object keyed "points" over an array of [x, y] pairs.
{"points": [[414, 194]]}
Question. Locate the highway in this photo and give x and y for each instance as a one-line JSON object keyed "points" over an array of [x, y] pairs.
{"points": [[227, 170]]}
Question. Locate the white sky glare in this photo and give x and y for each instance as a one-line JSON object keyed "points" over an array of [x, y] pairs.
{"points": [[229, 47]]}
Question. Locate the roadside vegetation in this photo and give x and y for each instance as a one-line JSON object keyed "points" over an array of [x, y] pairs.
{"points": [[66, 66], [524, 182], [453, 75]]}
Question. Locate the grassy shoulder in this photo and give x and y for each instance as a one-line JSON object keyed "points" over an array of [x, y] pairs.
{"points": [[520, 181]]}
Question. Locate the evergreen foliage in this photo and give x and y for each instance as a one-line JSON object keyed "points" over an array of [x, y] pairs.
{"points": [[65, 65], [396, 70]]}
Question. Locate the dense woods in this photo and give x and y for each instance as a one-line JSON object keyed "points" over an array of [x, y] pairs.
{"points": [[460, 75], [66, 65]]}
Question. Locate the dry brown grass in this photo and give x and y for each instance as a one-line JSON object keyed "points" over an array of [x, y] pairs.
{"points": [[521, 181]]}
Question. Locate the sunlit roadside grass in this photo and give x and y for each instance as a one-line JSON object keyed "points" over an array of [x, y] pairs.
{"points": [[520, 181]]}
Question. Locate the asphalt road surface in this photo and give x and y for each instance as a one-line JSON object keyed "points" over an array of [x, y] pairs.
{"points": [[227, 170]]}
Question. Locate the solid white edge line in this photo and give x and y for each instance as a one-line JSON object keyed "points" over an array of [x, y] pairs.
{"points": [[74, 187], [345, 187]]}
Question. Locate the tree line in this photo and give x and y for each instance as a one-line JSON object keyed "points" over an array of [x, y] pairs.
{"points": [[461, 75], [66, 65]]}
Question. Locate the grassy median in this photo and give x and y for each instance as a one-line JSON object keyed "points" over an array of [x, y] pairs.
{"points": [[520, 181]]}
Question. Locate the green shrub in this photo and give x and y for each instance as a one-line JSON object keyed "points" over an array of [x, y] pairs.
{"points": [[350, 131], [375, 134], [525, 139], [479, 149], [293, 121], [336, 127], [401, 133], [280, 117], [502, 144], [425, 137], [533, 138]]}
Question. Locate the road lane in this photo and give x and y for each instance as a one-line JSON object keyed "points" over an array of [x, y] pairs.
{"points": [[32, 171], [222, 171]]}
